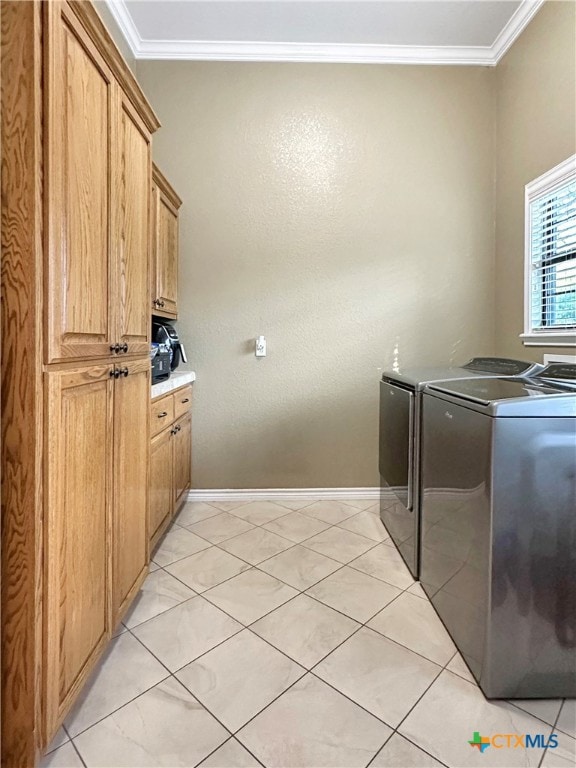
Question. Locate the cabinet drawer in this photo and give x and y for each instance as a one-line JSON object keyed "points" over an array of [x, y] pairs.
{"points": [[182, 401], [161, 414]]}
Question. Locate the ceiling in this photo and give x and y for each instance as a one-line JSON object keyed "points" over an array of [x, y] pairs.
{"points": [[394, 31]]}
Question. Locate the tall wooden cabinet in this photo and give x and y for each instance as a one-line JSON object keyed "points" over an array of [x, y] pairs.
{"points": [[164, 286], [76, 236]]}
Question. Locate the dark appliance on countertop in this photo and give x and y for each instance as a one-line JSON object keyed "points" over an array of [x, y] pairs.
{"points": [[499, 527], [161, 364], [400, 439], [165, 334]]}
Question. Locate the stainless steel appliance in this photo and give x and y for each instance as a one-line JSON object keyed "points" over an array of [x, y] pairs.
{"points": [[164, 333], [499, 528], [400, 436]]}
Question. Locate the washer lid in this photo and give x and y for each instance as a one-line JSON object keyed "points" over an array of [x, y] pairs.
{"points": [[416, 378], [508, 397]]}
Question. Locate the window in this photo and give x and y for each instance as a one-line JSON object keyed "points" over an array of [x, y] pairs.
{"points": [[550, 299]]}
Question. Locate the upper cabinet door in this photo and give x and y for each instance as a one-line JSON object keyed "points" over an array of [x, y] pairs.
{"points": [[79, 106], [165, 238], [131, 227]]}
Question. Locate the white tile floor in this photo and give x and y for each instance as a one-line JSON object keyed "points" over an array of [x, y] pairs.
{"points": [[291, 634]]}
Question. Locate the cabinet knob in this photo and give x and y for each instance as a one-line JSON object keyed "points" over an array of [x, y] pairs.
{"points": [[124, 347], [125, 372], [116, 373], [115, 348]]}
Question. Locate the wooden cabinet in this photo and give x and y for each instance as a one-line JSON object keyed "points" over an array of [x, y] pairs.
{"points": [[164, 286], [170, 458], [76, 192], [132, 231], [97, 522], [98, 150], [80, 90], [78, 515], [161, 501], [182, 459], [130, 508]]}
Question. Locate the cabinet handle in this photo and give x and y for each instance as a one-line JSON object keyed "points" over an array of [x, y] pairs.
{"points": [[163, 414], [124, 347], [186, 400]]}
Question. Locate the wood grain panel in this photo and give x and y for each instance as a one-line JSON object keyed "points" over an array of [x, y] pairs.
{"points": [[182, 459], [79, 491], [165, 239], [21, 313], [167, 263], [79, 94], [182, 401], [131, 481], [131, 198], [161, 414], [161, 493], [86, 163], [90, 20]]}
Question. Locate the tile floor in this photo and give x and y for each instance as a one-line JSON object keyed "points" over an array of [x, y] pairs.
{"points": [[290, 634]]}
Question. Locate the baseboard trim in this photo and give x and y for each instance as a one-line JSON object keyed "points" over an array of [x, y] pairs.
{"points": [[294, 494]]}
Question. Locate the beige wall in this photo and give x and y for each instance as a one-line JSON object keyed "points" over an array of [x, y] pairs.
{"points": [[536, 130], [341, 211]]}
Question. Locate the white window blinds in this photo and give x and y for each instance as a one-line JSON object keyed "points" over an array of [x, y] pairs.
{"points": [[551, 251]]}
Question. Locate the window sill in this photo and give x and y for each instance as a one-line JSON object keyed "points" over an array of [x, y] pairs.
{"points": [[549, 339]]}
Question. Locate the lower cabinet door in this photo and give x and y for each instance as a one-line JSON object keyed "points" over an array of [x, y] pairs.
{"points": [[131, 477], [182, 442], [76, 518], [161, 494]]}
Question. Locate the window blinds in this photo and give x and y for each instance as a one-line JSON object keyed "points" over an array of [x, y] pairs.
{"points": [[553, 258]]}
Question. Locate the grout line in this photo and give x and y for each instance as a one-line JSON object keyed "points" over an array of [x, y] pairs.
{"points": [[343, 565], [235, 740], [248, 627], [554, 729], [304, 592], [100, 719], [76, 749]]}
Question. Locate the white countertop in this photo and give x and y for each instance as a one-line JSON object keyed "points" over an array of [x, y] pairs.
{"points": [[176, 380]]}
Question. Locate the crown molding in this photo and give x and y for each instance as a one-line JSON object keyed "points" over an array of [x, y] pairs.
{"points": [[191, 50], [516, 25], [124, 20], [312, 53]]}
